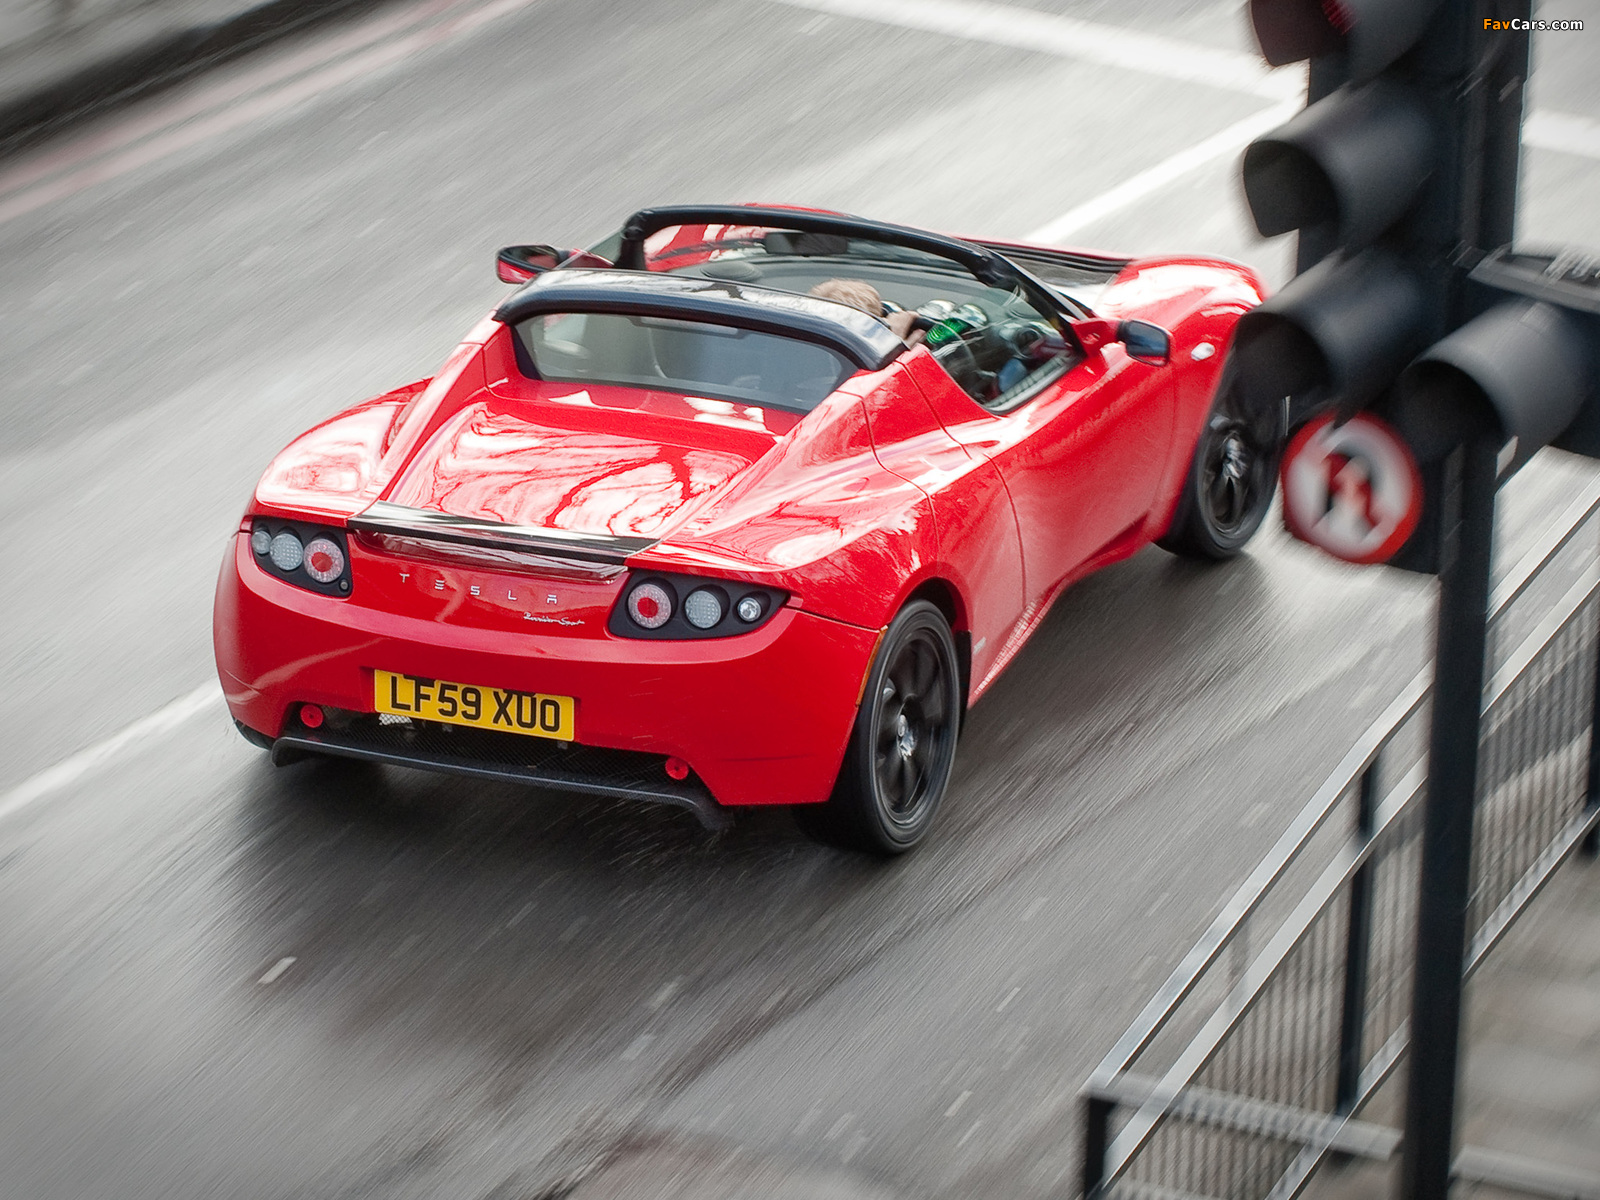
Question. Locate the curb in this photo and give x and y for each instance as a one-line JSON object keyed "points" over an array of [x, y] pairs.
{"points": [[158, 63]]}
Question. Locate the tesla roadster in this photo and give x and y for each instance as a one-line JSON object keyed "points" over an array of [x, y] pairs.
{"points": [[679, 523]]}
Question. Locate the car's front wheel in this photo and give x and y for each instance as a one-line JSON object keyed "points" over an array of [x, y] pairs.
{"points": [[903, 744], [1227, 492]]}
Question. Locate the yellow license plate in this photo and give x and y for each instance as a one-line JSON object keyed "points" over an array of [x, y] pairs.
{"points": [[499, 709]]}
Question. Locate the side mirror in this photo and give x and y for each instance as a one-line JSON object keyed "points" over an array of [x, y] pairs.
{"points": [[518, 264], [1146, 342]]}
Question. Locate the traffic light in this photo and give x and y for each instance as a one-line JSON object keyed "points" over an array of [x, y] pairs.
{"points": [[1400, 177], [1361, 171]]}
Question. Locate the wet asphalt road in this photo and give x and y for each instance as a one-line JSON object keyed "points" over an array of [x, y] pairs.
{"points": [[498, 993]]}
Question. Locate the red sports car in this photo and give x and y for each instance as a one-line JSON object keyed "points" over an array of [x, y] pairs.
{"points": [[741, 506]]}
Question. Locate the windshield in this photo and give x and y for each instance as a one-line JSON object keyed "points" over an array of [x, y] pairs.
{"points": [[699, 358]]}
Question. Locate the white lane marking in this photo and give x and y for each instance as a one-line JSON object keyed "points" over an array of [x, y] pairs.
{"points": [[277, 969], [84, 762], [1147, 53], [638, 1046], [1006, 1003], [1152, 179], [1033, 909], [1068, 37], [965, 1136], [1563, 132], [101, 157], [956, 1107]]}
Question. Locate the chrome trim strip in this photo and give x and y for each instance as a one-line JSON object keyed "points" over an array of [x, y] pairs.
{"points": [[384, 517]]}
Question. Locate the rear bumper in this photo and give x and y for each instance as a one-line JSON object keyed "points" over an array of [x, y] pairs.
{"points": [[760, 719]]}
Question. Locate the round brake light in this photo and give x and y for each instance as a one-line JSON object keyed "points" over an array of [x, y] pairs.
{"points": [[650, 606], [260, 541], [324, 560]]}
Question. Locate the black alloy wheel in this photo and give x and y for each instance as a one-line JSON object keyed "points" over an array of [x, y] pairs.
{"points": [[1228, 491], [903, 744]]}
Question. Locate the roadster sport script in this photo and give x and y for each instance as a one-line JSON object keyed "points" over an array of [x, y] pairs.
{"points": [[480, 707]]}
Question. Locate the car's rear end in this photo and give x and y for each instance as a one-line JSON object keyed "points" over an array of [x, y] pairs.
{"points": [[471, 576], [515, 672]]}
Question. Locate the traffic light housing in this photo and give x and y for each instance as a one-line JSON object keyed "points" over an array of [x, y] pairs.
{"points": [[1355, 160], [1368, 34], [1400, 177], [1524, 366]]}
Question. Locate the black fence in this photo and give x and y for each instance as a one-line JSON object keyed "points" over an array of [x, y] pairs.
{"points": [[1248, 1069]]}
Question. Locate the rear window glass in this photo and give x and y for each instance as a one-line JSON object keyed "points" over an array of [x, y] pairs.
{"points": [[721, 362]]}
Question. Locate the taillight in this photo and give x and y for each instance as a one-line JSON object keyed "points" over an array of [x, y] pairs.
{"points": [[286, 551], [650, 605], [704, 607], [657, 605], [308, 556], [324, 560]]}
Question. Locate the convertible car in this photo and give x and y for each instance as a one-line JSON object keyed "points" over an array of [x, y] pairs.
{"points": [[744, 505]]}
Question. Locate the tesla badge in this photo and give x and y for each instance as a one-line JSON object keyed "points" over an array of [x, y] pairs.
{"points": [[1352, 490]]}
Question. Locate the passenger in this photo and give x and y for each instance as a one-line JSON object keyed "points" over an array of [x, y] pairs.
{"points": [[858, 293]]}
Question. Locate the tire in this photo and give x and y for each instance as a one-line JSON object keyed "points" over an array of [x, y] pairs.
{"points": [[902, 745], [1226, 493]]}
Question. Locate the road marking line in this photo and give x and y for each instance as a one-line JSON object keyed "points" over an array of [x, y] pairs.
{"points": [[956, 1107], [968, 1134], [1068, 37], [1152, 179], [638, 1046], [1147, 53], [1033, 909], [84, 762], [1006, 1003], [277, 969], [140, 143]]}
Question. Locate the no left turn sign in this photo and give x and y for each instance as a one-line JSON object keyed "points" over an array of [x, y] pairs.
{"points": [[1353, 489]]}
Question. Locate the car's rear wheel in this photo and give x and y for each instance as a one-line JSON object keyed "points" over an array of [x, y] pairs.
{"points": [[903, 744], [1227, 492]]}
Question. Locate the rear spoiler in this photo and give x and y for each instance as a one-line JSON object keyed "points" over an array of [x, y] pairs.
{"points": [[386, 519]]}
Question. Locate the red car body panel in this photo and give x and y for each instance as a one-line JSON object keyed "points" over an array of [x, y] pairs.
{"points": [[654, 697], [896, 483]]}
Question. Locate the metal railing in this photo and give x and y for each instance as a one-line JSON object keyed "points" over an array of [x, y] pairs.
{"points": [[1246, 1070]]}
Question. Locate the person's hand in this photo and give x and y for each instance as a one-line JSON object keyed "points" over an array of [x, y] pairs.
{"points": [[902, 322]]}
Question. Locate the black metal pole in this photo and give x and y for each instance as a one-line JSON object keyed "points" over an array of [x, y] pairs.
{"points": [[1357, 947], [1468, 532], [1096, 1136]]}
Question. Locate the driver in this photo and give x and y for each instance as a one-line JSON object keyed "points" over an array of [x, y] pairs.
{"points": [[858, 293]]}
